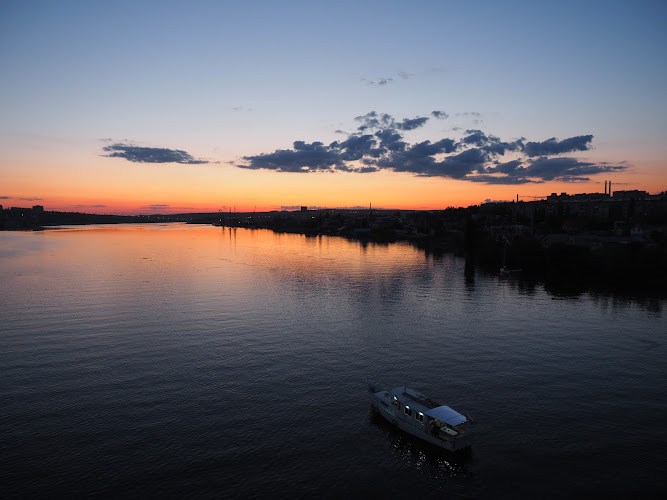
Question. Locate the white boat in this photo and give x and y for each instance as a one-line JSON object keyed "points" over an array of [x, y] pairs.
{"points": [[413, 412], [504, 270]]}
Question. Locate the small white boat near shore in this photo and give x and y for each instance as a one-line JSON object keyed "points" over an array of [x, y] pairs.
{"points": [[413, 412]]}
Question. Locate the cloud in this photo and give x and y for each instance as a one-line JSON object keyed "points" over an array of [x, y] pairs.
{"points": [[411, 124], [390, 140], [374, 120], [163, 206], [157, 206], [506, 181], [505, 168], [473, 115], [553, 146], [463, 164], [378, 144], [5, 198], [384, 121], [31, 199], [298, 207], [381, 82], [567, 169], [139, 154], [386, 80], [491, 144], [313, 157], [440, 115]]}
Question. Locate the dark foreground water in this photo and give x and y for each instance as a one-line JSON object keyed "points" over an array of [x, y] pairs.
{"points": [[201, 362]]}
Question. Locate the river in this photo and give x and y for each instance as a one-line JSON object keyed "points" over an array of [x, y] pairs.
{"points": [[177, 360]]}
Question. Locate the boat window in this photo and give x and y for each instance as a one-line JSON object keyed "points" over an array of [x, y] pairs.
{"points": [[419, 416], [408, 411]]}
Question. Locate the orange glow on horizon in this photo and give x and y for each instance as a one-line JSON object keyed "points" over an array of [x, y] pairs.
{"points": [[145, 190]]}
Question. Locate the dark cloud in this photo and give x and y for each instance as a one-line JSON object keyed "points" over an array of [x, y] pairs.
{"points": [[5, 197], [420, 160], [491, 144], [553, 146], [509, 180], [31, 199], [374, 120], [297, 207], [566, 169], [440, 115], [428, 148], [138, 154], [390, 140], [314, 157], [507, 168], [411, 124], [379, 144], [356, 147], [384, 121], [163, 206], [476, 137], [463, 164]]}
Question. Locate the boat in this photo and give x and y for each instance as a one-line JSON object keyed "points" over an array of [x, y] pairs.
{"points": [[417, 414], [505, 271]]}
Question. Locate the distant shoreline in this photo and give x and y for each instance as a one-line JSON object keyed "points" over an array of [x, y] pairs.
{"points": [[626, 250]]}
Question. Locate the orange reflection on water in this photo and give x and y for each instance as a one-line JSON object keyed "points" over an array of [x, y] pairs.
{"points": [[211, 255]]}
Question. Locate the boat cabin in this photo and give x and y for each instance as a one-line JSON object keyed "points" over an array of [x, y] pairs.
{"points": [[414, 409]]}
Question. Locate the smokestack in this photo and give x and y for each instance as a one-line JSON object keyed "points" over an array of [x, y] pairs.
{"points": [[517, 198], [605, 187], [609, 188]]}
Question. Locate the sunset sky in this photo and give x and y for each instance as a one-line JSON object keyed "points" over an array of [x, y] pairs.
{"points": [[158, 107]]}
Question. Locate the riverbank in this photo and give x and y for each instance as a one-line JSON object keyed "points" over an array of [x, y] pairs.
{"points": [[566, 250]]}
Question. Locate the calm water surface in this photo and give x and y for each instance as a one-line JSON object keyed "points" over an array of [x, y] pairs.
{"points": [[207, 362]]}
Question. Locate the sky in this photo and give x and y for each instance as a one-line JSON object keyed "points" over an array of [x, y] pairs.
{"points": [[168, 107]]}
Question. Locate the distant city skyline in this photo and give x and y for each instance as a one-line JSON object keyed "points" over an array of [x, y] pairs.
{"points": [[199, 107]]}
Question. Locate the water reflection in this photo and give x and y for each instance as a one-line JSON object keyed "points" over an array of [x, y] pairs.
{"points": [[615, 302], [415, 453], [469, 275], [214, 317], [361, 271]]}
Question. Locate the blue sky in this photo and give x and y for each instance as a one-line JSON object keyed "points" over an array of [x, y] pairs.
{"points": [[226, 81]]}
